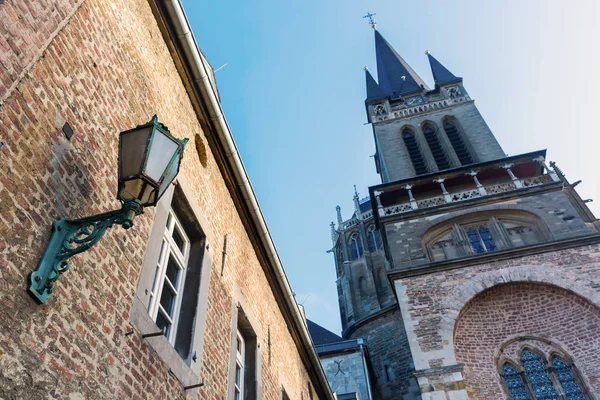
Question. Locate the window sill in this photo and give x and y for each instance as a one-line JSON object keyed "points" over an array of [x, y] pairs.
{"points": [[177, 366]]}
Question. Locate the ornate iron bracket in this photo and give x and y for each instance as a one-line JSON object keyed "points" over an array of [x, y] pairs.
{"points": [[70, 237]]}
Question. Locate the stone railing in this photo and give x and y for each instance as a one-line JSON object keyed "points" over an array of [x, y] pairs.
{"points": [[465, 195], [422, 108], [354, 221]]}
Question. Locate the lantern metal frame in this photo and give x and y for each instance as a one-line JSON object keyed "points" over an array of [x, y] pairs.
{"points": [[70, 237]]}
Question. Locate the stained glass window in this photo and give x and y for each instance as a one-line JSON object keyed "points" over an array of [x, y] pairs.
{"points": [[567, 380], [514, 383], [481, 239], [538, 377]]}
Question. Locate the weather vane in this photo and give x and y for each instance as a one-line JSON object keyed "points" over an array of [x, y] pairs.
{"points": [[371, 19]]}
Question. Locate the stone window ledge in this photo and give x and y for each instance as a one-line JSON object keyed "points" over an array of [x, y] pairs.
{"points": [[177, 366]]}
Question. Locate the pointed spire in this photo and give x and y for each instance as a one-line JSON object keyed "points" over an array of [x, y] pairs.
{"points": [[338, 210], [441, 75], [374, 92], [395, 76]]}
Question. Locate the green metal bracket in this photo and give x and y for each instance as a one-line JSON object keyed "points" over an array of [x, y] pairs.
{"points": [[70, 237]]}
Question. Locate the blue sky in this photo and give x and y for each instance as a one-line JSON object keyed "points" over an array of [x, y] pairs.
{"points": [[293, 92]]}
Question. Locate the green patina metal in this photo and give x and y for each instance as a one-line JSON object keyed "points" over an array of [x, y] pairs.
{"points": [[70, 237]]}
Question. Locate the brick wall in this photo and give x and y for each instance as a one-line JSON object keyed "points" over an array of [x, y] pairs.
{"points": [[520, 312], [431, 304], [103, 67]]}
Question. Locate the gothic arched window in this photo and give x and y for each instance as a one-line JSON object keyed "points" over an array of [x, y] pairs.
{"points": [[356, 247], [414, 152], [538, 377], [514, 383], [439, 155], [457, 143], [567, 380], [373, 239]]}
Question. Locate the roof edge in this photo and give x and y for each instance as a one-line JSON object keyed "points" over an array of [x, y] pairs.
{"points": [[195, 68]]}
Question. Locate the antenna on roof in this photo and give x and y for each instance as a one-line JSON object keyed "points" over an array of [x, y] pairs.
{"points": [[221, 67]]}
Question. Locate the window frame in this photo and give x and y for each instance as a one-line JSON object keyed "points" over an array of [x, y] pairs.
{"points": [[181, 256], [180, 193], [240, 365]]}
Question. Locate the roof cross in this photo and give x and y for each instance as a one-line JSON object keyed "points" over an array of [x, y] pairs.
{"points": [[371, 19]]}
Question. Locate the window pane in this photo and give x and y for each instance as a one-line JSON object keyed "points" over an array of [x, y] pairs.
{"points": [[178, 239], [476, 243], [238, 375], [538, 377], [514, 383], [167, 298], [163, 323], [487, 238], [567, 380], [173, 271]]}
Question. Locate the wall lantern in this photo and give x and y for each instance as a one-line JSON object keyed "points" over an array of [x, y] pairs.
{"points": [[149, 159]]}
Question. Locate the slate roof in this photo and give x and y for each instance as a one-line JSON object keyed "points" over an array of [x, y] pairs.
{"points": [[440, 73], [321, 335], [391, 68], [373, 90]]}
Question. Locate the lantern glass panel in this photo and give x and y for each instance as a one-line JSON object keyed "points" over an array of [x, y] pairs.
{"points": [[132, 189], [170, 175], [133, 150], [161, 152]]}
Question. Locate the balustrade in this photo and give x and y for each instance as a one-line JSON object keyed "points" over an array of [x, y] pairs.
{"points": [[466, 195], [434, 105]]}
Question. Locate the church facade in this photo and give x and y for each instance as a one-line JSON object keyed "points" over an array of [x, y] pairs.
{"points": [[470, 274]]}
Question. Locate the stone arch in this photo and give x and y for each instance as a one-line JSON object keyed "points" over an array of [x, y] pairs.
{"points": [[523, 312], [414, 149], [436, 144], [544, 217]]}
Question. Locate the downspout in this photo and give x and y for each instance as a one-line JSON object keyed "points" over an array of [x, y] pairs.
{"points": [[178, 19]]}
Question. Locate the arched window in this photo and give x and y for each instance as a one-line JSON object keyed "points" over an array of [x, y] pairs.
{"points": [[514, 383], [538, 377], [439, 155], [373, 239], [356, 247], [457, 143], [567, 380], [484, 232], [414, 152]]}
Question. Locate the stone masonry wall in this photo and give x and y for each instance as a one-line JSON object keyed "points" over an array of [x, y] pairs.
{"points": [[405, 237], [394, 153], [520, 312], [346, 373], [102, 66], [431, 303], [389, 356]]}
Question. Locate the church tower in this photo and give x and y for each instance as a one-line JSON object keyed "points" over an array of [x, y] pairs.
{"points": [[470, 274]]}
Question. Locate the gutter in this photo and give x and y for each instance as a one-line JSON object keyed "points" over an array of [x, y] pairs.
{"points": [[175, 16]]}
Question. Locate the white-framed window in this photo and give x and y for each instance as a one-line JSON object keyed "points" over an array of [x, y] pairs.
{"points": [[240, 367], [165, 296]]}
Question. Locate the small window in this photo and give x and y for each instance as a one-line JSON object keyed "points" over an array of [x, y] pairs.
{"points": [[243, 382], [514, 383], [567, 379], [166, 293], [240, 354]]}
